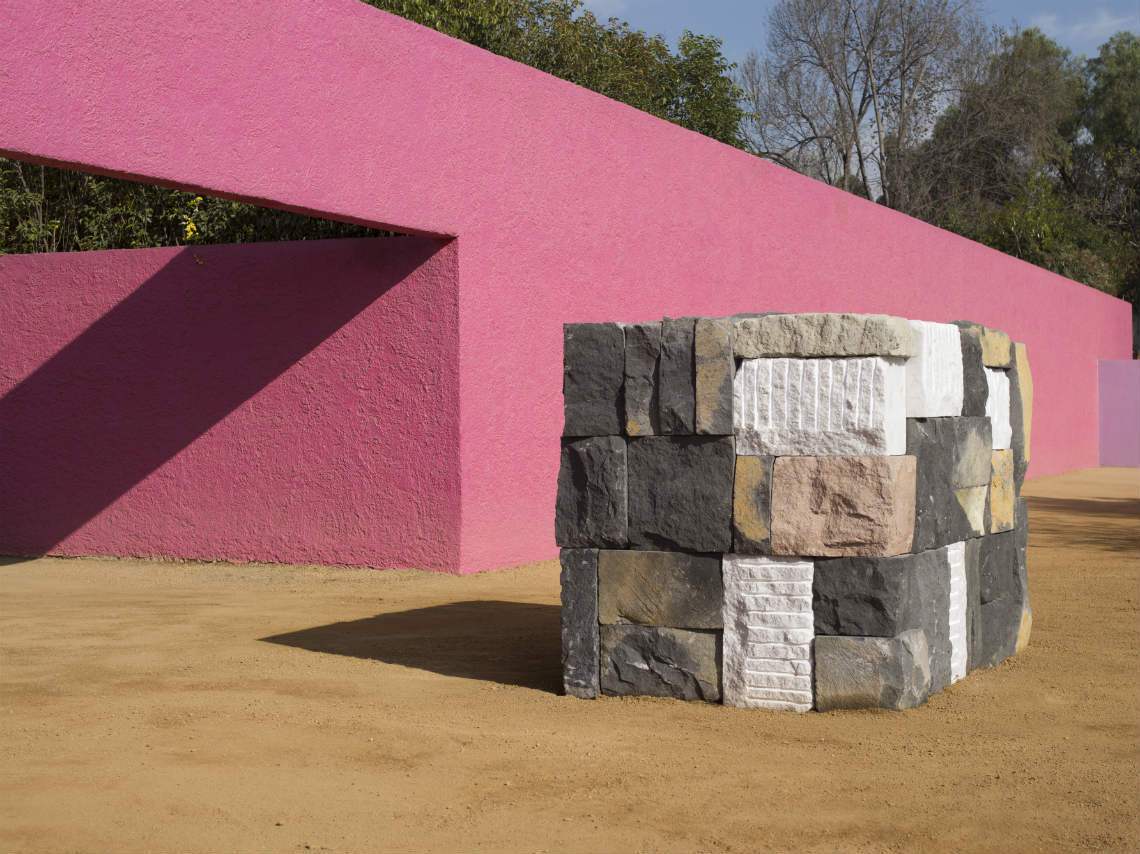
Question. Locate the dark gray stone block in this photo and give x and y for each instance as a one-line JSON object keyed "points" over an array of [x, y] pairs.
{"points": [[677, 377], [1018, 398], [885, 596], [952, 473], [660, 662], [997, 568], [1001, 621], [676, 589], [591, 508], [580, 641], [715, 367], [642, 351], [973, 604], [680, 493], [752, 505], [871, 672], [592, 375], [974, 387]]}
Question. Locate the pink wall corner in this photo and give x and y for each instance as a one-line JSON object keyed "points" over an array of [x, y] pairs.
{"points": [[1119, 395], [274, 402], [570, 207]]}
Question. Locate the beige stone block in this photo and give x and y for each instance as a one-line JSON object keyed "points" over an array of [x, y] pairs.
{"points": [[1025, 390], [996, 349], [1025, 629], [1002, 493], [972, 500], [715, 367], [823, 335], [835, 506]]}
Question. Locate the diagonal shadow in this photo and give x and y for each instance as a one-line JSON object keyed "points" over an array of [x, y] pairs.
{"points": [[1088, 522], [512, 643], [200, 337]]}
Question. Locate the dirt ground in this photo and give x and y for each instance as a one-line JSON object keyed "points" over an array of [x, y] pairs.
{"points": [[152, 706]]}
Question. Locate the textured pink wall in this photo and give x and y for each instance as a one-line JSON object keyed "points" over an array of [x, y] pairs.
{"points": [[1119, 393], [570, 207], [256, 402]]}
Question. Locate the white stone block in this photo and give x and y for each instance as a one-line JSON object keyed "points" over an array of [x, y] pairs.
{"points": [[820, 407], [997, 408], [934, 374], [768, 631], [956, 552]]}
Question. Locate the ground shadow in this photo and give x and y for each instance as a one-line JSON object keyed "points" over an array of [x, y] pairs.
{"points": [[512, 643], [1087, 522]]}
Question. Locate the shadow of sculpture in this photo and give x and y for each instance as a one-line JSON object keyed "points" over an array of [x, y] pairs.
{"points": [[512, 643], [1087, 522]]}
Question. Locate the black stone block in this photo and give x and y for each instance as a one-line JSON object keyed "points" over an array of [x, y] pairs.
{"points": [[591, 508], [642, 351], [952, 473], [677, 377], [580, 640], [974, 387], [680, 493], [885, 596], [593, 372], [660, 662]]}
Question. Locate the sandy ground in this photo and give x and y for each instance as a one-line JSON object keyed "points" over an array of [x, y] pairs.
{"points": [[162, 706]]}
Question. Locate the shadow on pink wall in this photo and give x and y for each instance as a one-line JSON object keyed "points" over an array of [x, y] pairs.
{"points": [[232, 386]]}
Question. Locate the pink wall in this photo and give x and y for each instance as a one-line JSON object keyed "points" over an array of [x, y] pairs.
{"points": [[570, 207], [237, 402], [1119, 395]]}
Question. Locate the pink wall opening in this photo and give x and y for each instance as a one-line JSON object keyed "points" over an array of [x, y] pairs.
{"points": [[270, 402], [570, 207], [1119, 395]]}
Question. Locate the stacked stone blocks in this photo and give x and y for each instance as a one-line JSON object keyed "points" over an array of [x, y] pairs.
{"points": [[791, 511]]}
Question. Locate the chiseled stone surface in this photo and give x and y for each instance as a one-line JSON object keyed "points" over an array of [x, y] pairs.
{"points": [[680, 493], [953, 473], [995, 599], [674, 589], [660, 662], [999, 510], [975, 389], [590, 510], [934, 374], [752, 505], [997, 408], [714, 365], [1020, 411], [676, 377], [959, 653], [642, 350], [871, 672], [884, 596], [837, 506], [580, 622], [823, 335], [996, 349], [820, 407], [592, 374], [767, 633]]}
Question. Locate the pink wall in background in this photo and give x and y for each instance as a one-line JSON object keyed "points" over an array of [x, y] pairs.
{"points": [[570, 207], [1119, 394], [237, 402]]}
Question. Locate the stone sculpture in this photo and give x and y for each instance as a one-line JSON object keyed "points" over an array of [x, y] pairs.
{"points": [[791, 511]]}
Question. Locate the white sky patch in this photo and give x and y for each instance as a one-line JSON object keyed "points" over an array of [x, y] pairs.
{"points": [[1087, 33]]}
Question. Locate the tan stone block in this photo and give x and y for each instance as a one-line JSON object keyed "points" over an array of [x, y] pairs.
{"points": [[752, 505], [1025, 391], [835, 506], [715, 367], [1002, 493], [1025, 629], [972, 500], [997, 351], [823, 335]]}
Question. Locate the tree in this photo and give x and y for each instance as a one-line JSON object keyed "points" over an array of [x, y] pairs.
{"points": [[850, 86]]}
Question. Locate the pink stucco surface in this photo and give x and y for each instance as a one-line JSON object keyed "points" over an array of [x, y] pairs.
{"points": [[568, 207], [252, 402], [1119, 395]]}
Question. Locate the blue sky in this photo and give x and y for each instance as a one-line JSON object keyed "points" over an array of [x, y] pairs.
{"points": [[1080, 25]]}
